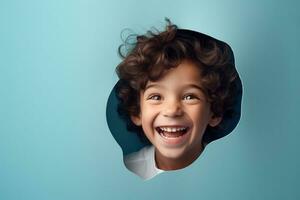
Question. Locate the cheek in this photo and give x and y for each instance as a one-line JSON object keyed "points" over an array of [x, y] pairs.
{"points": [[149, 109], [199, 115], [148, 117], [148, 114]]}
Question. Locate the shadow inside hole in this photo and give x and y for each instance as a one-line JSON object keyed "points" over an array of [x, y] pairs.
{"points": [[128, 141]]}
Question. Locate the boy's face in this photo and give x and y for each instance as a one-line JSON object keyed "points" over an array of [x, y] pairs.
{"points": [[174, 113]]}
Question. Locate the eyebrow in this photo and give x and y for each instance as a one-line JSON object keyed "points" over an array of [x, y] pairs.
{"points": [[153, 85], [194, 86], [201, 89], [191, 85]]}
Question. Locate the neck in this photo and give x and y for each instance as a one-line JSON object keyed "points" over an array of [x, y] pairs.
{"points": [[168, 164]]}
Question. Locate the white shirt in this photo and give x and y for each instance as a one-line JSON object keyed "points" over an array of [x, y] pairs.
{"points": [[142, 163]]}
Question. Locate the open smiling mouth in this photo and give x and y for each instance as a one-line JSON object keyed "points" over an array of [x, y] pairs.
{"points": [[172, 132]]}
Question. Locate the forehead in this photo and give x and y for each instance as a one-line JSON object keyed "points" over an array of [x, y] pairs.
{"points": [[186, 73]]}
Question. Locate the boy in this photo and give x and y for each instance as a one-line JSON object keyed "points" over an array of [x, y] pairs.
{"points": [[180, 89]]}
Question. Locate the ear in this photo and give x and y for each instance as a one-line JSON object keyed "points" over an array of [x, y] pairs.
{"points": [[136, 120], [214, 121]]}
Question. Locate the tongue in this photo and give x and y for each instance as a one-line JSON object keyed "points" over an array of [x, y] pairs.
{"points": [[173, 134]]}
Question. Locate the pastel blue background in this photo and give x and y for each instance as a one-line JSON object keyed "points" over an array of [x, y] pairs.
{"points": [[57, 61]]}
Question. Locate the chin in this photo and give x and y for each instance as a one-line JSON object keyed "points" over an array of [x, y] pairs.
{"points": [[172, 153]]}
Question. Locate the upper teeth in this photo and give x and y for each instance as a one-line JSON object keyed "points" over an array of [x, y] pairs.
{"points": [[169, 129]]}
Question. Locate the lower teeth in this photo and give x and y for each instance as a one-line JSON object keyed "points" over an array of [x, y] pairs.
{"points": [[172, 135]]}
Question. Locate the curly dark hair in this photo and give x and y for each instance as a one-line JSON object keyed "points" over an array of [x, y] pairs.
{"points": [[154, 53]]}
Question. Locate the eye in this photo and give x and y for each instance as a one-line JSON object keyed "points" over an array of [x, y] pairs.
{"points": [[154, 97], [190, 97]]}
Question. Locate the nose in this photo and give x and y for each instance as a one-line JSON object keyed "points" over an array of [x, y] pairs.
{"points": [[172, 108]]}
